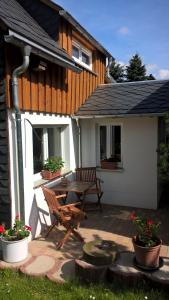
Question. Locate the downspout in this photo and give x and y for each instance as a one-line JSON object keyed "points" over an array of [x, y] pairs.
{"points": [[80, 143], [26, 50]]}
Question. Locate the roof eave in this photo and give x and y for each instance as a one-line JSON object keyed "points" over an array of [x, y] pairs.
{"points": [[78, 116], [20, 41]]}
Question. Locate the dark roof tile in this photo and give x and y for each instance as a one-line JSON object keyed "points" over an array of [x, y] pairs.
{"points": [[147, 97], [18, 20]]}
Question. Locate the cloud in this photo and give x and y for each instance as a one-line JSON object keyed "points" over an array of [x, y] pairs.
{"points": [[163, 74], [124, 30], [151, 67]]}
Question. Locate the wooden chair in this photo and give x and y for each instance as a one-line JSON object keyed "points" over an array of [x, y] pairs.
{"points": [[67, 215], [89, 175]]}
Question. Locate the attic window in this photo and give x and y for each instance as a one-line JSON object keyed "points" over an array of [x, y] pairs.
{"points": [[82, 55]]}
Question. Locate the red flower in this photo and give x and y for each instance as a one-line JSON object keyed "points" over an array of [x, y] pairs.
{"points": [[133, 216], [17, 217], [2, 229], [150, 222], [27, 228]]}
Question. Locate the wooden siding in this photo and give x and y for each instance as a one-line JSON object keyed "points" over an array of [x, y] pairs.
{"points": [[56, 90]]}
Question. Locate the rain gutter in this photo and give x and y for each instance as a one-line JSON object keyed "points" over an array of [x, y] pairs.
{"points": [[19, 40]]}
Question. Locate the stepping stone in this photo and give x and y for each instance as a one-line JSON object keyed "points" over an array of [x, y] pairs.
{"points": [[65, 271], [39, 265], [124, 269], [17, 265], [160, 276]]}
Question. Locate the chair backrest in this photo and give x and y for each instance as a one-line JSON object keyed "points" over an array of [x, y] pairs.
{"points": [[50, 198], [53, 204], [86, 174]]}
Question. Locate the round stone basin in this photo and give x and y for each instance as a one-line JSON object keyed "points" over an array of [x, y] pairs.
{"points": [[100, 252]]}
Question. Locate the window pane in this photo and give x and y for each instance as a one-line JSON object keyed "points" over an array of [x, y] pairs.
{"points": [[37, 149], [103, 142], [75, 52], [116, 142], [85, 59], [54, 141]]}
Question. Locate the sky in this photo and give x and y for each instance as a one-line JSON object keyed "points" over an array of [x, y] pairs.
{"points": [[125, 27]]}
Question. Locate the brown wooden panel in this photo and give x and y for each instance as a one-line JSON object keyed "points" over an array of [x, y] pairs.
{"points": [[81, 88], [82, 40], [58, 91], [26, 91], [48, 92], [41, 91], [77, 91], [84, 86], [54, 78], [34, 91], [20, 92], [73, 92]]}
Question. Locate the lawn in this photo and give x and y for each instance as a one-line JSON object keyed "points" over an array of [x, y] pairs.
{"points": [[16, 286]]}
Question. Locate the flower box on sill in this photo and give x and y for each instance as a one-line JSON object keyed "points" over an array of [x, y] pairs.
{"points": [[46, 174], [109, 165], [52, 168]]}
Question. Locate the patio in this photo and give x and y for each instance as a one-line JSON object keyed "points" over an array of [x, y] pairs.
{"points": [[113, 224]]}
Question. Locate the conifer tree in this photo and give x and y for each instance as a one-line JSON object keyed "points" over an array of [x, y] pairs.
{"points": [[136, 70], [117, 71]]}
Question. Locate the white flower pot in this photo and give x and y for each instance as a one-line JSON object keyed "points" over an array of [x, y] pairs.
{"points": [[14, 251]]}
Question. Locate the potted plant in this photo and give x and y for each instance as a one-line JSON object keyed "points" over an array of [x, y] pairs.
{"points": [[52, 168], [14, 241], [146, 243]]}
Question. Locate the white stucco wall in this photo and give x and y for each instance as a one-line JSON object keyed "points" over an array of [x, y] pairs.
{"points": [[136, 184], [36, 210]]}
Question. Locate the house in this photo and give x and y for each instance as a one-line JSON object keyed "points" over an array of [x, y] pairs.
{"points": [[50, 65], [125, 120], [54, 101]]}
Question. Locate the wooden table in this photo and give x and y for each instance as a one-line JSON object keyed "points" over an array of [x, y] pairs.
{"points": [[78, 187]]}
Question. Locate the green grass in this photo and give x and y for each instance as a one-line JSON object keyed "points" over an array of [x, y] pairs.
{"points": [[16, 286]]}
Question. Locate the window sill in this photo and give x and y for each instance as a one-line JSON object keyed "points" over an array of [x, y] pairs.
{"points": [[85, 68], [41, 181], [118, 170]]}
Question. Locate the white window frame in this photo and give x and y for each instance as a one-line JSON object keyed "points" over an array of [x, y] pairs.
{"points": [[85, 51], [45, 150]]}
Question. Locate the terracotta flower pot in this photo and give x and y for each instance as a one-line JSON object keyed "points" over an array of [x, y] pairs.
{"points": [[147, 256], [50, 175], [109, 165]]}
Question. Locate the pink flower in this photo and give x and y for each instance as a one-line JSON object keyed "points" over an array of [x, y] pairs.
{"points": [[17, 217], [150, 222], [133, 216], [27, 228], [2, 229]]}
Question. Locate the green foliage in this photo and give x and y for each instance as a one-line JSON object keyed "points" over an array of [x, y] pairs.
{"points": [[18, 232], [15, 286], [163, 150], [135, 71], [147, 230], [117, 71], [53, 164], [150, 77]]}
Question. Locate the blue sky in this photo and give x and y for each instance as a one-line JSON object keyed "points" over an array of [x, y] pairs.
{"points": [[125, 27]]}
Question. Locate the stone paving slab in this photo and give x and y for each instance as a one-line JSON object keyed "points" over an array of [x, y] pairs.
{"points": [[17, 265], [65, 270], [39, 265]]}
